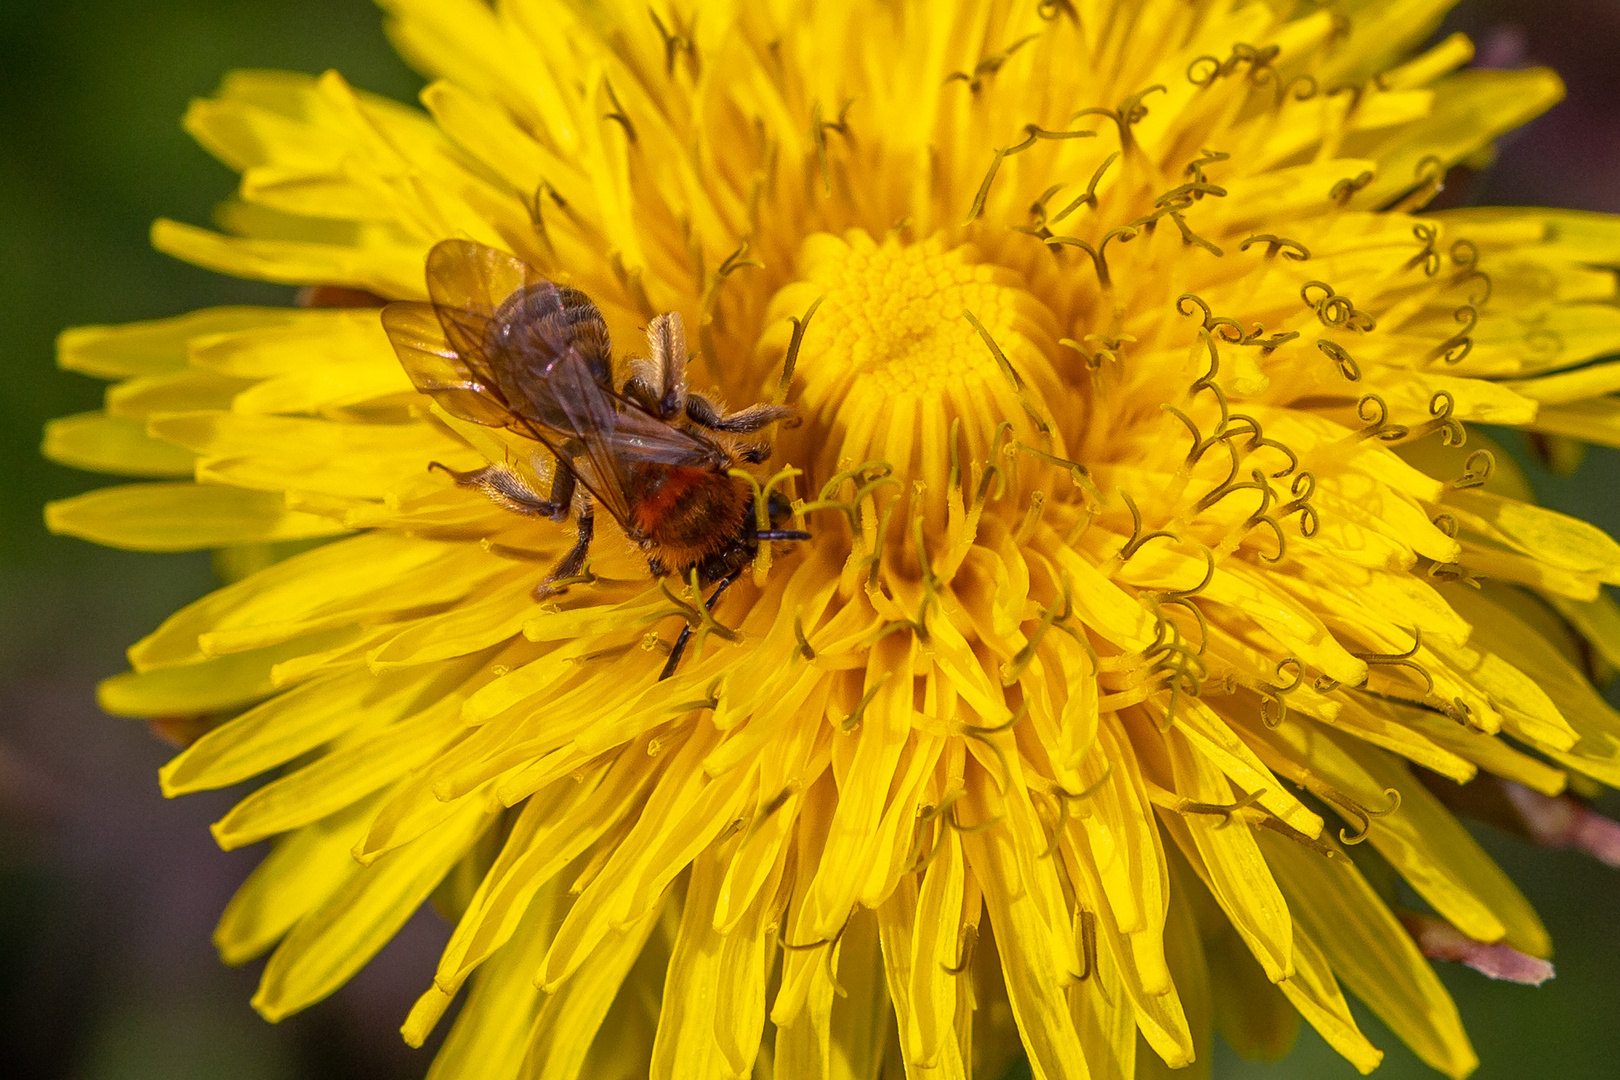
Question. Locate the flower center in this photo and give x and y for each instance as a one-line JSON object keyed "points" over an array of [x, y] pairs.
{"points": [[903, 351]]}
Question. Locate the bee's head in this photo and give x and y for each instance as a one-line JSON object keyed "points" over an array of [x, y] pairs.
{"points": [[780, 510]]}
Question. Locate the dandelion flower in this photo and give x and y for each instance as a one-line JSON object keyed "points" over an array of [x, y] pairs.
{"points": [[1150, 572]]}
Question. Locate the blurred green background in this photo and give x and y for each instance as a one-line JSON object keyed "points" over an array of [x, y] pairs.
{"points": [[108, 893]]}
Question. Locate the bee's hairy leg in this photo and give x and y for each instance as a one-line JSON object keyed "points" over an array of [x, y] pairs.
{"points": [[679, 647], [666, 336], [506, 487], [572, 563], [639, 389], [658, 382], [705, 413]]}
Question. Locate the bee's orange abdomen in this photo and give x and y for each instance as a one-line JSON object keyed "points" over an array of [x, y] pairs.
{"points": [[688, 512]]}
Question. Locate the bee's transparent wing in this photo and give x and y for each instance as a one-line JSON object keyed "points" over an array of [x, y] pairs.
{"points": [[467, 283], [444, 346], [568, 402], [460, 382]]}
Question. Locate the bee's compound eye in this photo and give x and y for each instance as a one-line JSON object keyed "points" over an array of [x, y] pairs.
{"points": [[778, 508]]}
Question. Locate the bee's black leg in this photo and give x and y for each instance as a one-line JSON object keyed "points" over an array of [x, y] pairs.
{"points": [[562, 490], [574, 561], [642, 392], [506, 487], [705, 413], [675, 653], [686, 631]]}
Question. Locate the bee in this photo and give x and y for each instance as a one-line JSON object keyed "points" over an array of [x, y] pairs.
{"points": [[503, 347]]}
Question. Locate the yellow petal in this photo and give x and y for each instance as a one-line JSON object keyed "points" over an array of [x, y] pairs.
{"points": [[573, 1011], [488, 133], [460, 571], [1573, 234], [156, 346], [683, 815], [1447, 847], [1596, 420], [173, 391], [1101, 1006], [1488, 752], [920, 932], [110, 444], [388, 269], [1559, 337], [1570, 386], [182, 517], [301, 871], [1221, 746], [468, 627], [1157, 1012], [491, 1034], [336, 939], [292, 590], [1387, 725], [340, 777], [1370, 950], [276, 453], [861, 1021], [1184, 949], [1597, 620], [1558, 539], [1498, 628], [1315, 993], [285, 726], [713, 1011], [1229, 862], [333, 393], [1252, 1013], [467, 42], [556, 826], [863, 792], [212, 685], [1528, 712], [1471, 108], [1030, 965], [1429, 847]]}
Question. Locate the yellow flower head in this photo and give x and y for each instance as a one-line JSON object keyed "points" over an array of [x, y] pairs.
{"points": [[1129, 384]]}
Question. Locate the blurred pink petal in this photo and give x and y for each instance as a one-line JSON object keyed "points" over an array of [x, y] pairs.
{"points": [[1504, 46], [1563, 822], [1439, 940]]}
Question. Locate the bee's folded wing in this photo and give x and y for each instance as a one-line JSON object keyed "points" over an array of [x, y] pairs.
{"points": [[461, 388]]}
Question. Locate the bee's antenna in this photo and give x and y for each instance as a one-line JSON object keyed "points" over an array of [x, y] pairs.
{"points": [[781, 534]]}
